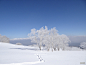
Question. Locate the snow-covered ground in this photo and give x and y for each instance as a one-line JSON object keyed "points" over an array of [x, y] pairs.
{"points": [[25, 55]]}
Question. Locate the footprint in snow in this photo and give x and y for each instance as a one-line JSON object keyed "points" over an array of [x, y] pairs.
{"points": [[40, 58]]}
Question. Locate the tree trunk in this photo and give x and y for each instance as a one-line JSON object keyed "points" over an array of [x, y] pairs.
{"points": [[48, 49], [40, 47], [54, 49], [58, 49]]}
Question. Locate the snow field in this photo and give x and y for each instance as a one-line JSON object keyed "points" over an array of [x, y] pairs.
{"points": [[24, 55]]}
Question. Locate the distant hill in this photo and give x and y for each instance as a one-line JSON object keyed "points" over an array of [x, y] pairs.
{"points": [[23, 42]]}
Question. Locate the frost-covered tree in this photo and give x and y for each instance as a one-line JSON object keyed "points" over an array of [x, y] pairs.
{"points": [[46, 37], [40, 33], [47, 42], [34, 36], [37, 36], [4, 39], [63, 42], [54, 38], [83, 45]]}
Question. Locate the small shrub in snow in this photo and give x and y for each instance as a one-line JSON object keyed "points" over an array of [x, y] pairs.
{"points": [[83, 45], [18, 44]]}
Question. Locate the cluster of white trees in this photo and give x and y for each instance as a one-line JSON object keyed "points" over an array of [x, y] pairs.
{"points": [[50, 38], [4, 39]]}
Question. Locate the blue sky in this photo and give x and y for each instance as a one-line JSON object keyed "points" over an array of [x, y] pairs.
{"points": [[18, 17]]}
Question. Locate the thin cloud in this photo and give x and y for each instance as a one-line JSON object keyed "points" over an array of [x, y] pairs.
{"points": [[19, 39], [77, 39]]}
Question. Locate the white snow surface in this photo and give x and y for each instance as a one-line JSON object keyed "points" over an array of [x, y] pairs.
{"points": [[11, 54]]}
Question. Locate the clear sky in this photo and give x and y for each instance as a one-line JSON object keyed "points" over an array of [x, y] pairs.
{"points": [[18, 17]]}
